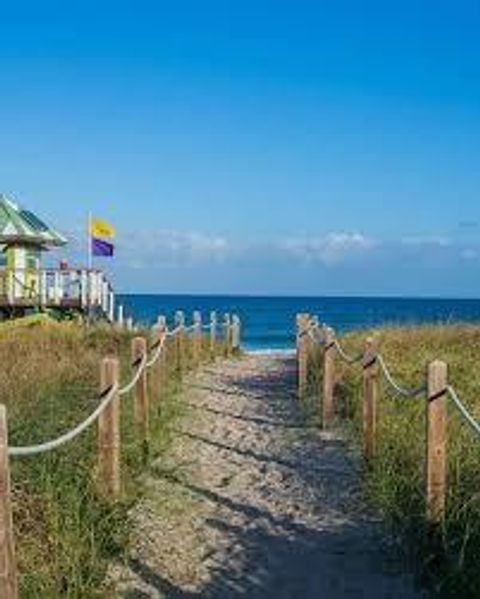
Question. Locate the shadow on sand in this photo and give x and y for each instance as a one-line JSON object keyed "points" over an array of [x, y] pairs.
{"points": [[285, 557]]}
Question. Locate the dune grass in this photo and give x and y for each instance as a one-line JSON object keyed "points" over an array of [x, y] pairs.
{"points": [[395, 480], [65, 534]]}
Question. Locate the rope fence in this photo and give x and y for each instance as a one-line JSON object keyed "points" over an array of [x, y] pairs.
{"points": [[395, 386], [348, 358], [315, 339], [187, 347]]}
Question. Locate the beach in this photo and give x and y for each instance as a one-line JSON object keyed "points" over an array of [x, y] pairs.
{"points": [[254, 500]]}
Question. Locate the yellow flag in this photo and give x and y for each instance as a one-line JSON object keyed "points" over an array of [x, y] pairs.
{"points": [[100, 228]]}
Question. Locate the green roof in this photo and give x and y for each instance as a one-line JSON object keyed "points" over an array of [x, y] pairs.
{"points": [[20, 225]]}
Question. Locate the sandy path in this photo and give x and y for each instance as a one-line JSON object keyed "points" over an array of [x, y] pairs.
{"points": [[252, 501]]}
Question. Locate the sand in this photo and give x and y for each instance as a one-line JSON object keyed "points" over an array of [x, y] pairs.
{"points": [[254, 501]]}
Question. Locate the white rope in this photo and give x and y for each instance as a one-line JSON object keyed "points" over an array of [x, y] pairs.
{"points": [[463, 410], [347, 357], [399, 389], [314, 334], [29, 450], [157, 353], [173, 332], [129, 386], [68, 436]]}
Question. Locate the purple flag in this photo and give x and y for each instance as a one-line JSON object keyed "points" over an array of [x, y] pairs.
{"points": [[101, 248]]}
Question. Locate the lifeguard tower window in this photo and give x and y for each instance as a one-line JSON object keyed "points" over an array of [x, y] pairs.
{"points": [[33, 260]]}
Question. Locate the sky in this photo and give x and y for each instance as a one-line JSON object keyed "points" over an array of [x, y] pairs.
{"points": [[257, 147]]}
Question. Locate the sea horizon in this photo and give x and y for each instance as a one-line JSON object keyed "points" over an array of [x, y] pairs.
{"points": [[268, 321], [301, 296]]}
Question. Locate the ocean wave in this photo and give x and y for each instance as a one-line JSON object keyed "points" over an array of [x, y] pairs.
{"points": [[271, 351]]}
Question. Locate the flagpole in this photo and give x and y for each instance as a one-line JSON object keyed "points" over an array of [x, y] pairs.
{"points": [[89, 241], [89, 266]]}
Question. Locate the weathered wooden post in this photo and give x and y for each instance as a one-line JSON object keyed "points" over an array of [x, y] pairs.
{"points": [[160, 368], [312, 350], [140, 391], [302, 349], [120, 319], [227, 325], [317, 360], [230, 335], [213, 335], [109, 433], [172, 350], [129, 324], [328, 405], [235, 333], [180, 341], [436, 440], [8, 565], [197, 339], [370, 395]]}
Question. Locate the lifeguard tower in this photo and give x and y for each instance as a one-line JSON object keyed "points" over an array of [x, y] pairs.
{"points": [[26, 286]]}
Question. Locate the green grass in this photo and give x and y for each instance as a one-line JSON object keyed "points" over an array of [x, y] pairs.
{"points": [[395, 481], [65, 533]]}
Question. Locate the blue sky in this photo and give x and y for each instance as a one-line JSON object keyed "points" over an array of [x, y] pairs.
{"points": [[252, 147]]}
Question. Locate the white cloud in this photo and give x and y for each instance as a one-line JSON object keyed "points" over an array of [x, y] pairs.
{"points": [[148, 249], [173, 249], [330, 248], [426, 240]]}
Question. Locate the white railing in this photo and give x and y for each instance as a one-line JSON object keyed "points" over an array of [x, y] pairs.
{"points": [[76, 287]]}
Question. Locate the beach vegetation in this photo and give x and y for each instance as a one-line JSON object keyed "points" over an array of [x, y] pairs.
{"points": [[394, 481], [65, 534]]}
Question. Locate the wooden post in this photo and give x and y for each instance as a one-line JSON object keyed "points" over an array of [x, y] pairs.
{"points": [[302, 348], [370, 395], [109, 433], [8, 566], [436, 441], [213, 335], [172, 352], [328, 405], [167, 360], [120, 319], [226, 335], [160, 369], [197, 339], [180, 341], [310, 348], [235, 333], [140, 392], [318, 361]]}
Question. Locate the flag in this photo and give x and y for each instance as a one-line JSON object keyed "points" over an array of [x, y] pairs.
{"points": [[102, 248], [100, 228]]}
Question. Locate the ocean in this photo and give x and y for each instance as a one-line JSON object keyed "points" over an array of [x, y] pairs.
{"points": [[268, 323]]}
